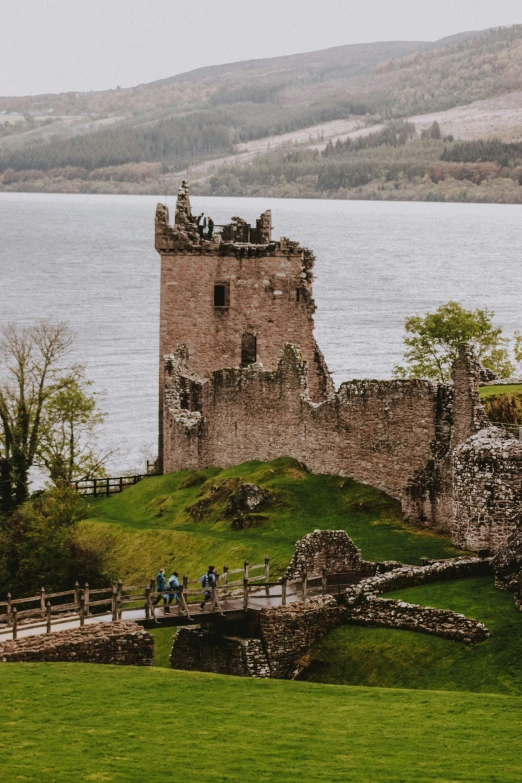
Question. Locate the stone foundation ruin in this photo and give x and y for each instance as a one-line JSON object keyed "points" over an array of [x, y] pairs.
{"points": [[242, 378], [285, 634]]}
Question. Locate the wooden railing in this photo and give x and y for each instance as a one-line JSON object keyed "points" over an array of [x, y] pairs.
{"points": [[238, 586], [100, 487]]}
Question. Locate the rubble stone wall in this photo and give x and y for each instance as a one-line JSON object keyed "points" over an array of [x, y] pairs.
{"points": [[390, 613], [197, 649], [332, 551], [488, 490], [110, 643]]}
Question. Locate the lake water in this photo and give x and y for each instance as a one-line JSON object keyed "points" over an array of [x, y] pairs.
{"points": [[90, 260]]}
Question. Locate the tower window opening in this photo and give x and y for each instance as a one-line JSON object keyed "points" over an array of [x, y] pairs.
{"points": [[248, 349], [222, 295]]}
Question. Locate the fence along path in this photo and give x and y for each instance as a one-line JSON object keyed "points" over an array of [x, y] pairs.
{"points": [[237, 591]]}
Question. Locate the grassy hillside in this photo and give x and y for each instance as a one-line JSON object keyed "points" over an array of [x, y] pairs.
{"points": [[404, 659], [98, 723], [151, 524], [135, 140]]}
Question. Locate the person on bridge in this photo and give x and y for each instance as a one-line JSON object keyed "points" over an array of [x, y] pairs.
{"points": [[172, 584], [208, 581], [161, 586]]}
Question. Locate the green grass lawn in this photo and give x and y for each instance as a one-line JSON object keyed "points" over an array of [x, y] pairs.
{"points": [[73, 722], [404, 659], [149, 525], [491, 391]]}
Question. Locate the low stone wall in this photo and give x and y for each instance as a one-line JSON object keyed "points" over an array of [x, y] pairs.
{"points": [[330, 550], [409, 576], [390, 613], [121, 643], [197, 649]]}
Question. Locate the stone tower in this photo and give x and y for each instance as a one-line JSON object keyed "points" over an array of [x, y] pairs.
{"points": [[233, 300]]}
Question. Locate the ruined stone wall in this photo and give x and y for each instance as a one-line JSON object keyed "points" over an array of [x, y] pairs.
{"points": [[123, 643], [390, 613], [332, 551], [488, 490], [383, 433], [288, 632], [197, 649]]}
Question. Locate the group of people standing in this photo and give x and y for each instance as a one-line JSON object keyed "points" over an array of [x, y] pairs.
{"points": [[168, 589], [205, 226]]}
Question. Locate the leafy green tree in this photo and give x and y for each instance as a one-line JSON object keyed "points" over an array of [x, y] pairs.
{"points": [[432, 342], [68, 448], [40, 546]]}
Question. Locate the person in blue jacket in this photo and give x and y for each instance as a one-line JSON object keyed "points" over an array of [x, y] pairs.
{"points": [[172, 584], [161, 586]]}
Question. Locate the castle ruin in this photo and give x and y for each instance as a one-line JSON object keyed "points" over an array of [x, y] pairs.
{"points": [[242, 378]]}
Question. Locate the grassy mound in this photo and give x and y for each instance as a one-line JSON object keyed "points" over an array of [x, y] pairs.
{"points": [[181, 521], [404, 659], [68, 722], [493, 391]]}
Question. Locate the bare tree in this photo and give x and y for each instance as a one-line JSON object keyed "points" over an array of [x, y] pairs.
{"points": [[30, 374]]}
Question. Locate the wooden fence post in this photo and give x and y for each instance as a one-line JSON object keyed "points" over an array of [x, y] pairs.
{"points": [[108, 488], [245, 594], [213, 598], [185, 582], [15, 624], [120, 598], [325, 581], [82, 610], [225, 576], [147, 602], [77, 595], [9, 609], [49, 617], [283, 591], [114, 604], [183, 601], [95, 488], [305, 585], [245, 575], [86, 597], [121, 483], [42, 601]]}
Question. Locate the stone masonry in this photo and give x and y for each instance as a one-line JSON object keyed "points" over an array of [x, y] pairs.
{"points": [[242, 378], [123, 643], [488, 490], [286, 633], [332, 551]]}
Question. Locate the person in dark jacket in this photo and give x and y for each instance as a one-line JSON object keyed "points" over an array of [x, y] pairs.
{"points": [[208, 581], [210, 228], [202, 224], [161, 586]]}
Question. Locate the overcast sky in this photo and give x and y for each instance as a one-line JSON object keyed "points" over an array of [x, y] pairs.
{"points": [[59, 45]]}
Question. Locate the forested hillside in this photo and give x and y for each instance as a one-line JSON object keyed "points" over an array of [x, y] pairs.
{"points": [[143, 138]]}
